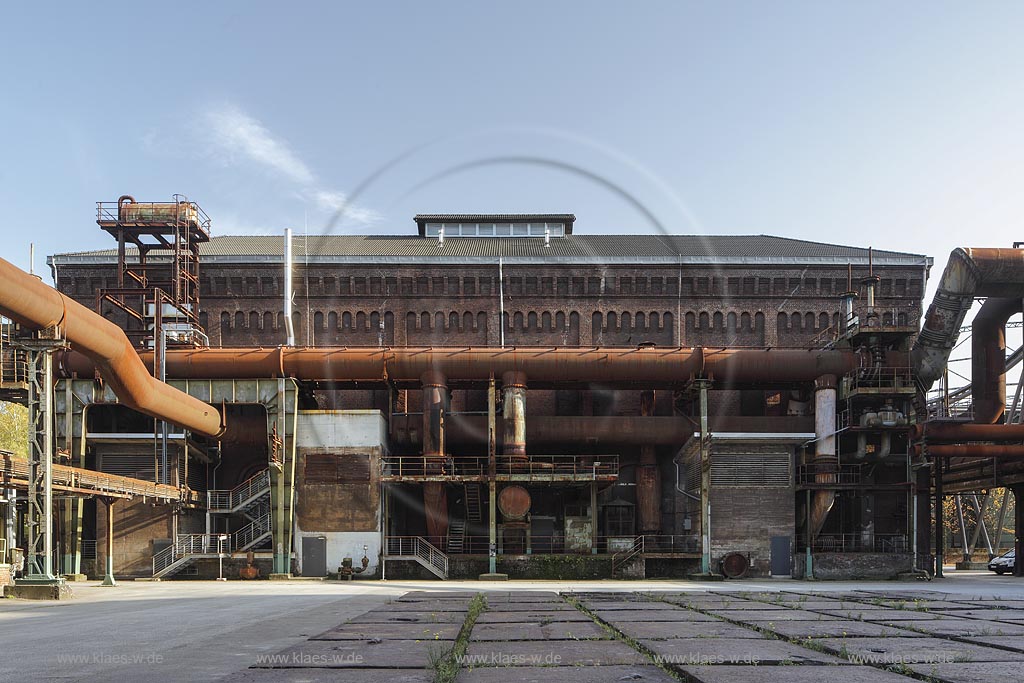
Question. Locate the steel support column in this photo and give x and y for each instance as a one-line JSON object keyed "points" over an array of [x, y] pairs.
{"points": [[39, 542], [705, 479], [1018, 529], [108, 576], [492, 498], [940, 537]]}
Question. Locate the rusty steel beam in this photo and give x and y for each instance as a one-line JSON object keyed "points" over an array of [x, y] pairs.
{"points": [[957, 432], [26, 299], [545, 366]]}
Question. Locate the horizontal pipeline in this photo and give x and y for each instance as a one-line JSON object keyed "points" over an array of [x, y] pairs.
{"points": [[543, 367], [976, 450], [957, 432]]}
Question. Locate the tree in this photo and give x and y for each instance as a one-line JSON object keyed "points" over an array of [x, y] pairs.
{"points": [[14, 428]]}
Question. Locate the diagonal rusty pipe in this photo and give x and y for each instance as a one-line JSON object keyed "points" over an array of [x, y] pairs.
{"points": [[27, 300]]}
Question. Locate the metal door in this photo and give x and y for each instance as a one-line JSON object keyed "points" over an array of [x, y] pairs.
{"points": [[782, 556], [314, 556]]}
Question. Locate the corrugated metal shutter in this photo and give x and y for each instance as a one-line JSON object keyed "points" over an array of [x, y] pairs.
{"points": [[751, 469], [137, 466]]}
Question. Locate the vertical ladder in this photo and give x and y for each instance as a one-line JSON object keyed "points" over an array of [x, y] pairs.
{"points": [[473, 505]]}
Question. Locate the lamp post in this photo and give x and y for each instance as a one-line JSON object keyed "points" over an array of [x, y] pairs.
{"points": [[220, 556]]}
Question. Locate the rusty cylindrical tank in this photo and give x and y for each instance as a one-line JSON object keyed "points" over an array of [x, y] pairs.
{"points": [[514, 503], [514, 415]]}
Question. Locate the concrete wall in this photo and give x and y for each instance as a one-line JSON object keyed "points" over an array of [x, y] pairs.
{"points": [[850, 566], [337, 487]]}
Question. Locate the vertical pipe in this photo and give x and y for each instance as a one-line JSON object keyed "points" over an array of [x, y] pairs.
{"points": [[648, 479], [492, 450], [501, 302], [705, 480], [435, 496], [940, 535], [108, 577], [288, 324], [825, 460], [593, 518], [514, 415]]}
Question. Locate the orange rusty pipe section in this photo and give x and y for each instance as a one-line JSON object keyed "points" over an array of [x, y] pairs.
{"points": [[976, 450], [26, 299], [653, 367], [956, 432], [988, 359]]}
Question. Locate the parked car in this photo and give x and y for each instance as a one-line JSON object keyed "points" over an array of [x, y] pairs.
{"points": [[1003, 563]]}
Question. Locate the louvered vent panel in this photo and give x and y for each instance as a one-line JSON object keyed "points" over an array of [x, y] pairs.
{"points": [[136, 466], [750, 469]]}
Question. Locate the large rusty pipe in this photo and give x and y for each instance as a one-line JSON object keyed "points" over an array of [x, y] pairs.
{"points": [[957, 432], [969, 273], [513, 386], [988, 358], [435, 496], [648, 479], [651, 367], [26, 299], [974, 450]]}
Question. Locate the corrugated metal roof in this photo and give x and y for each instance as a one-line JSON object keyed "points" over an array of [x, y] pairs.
{"points": [[607, 248]]}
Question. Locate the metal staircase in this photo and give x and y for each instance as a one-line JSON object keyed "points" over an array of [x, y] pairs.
{"points": [[624, 557], [473, 504], [251, 499], [417, 549], [456, 536]]}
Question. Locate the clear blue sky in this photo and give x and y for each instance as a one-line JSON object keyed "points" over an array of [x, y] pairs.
{"points": [[899, 125]]}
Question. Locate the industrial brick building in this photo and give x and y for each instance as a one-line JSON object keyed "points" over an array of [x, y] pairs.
{"points": [[593, 473]]}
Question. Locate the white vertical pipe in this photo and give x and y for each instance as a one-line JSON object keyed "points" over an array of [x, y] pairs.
{"points": [[289, 328]]}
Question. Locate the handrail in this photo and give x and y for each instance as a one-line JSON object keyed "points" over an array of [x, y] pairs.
{"points": [[232, 499], [247, 535], [418, 547], [620, 558]]}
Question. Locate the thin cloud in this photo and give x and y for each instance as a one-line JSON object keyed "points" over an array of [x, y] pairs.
{"points": [[241, 136]]}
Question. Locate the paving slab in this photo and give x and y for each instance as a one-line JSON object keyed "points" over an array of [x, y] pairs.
{"points": [[553, 653], [831, 629], [1015, 643], [528, 606], [626, 605], [438, 595], [402, 617], [1012, 616], [783, 615], [531, 674], [879, 614], [391, 632], [331, 676], [968, 672], [447, 605], [562, 630], [791, 674], [360, 654], [890, 651], [664, 630], [993, 602], [535, 616], [821, 604], [682, 615], [965, 627], [735, 651]]}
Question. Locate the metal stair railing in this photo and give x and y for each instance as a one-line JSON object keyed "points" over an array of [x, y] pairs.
{"points": [[419, 549], [230, 500], [623, 557], [251, 533]]}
